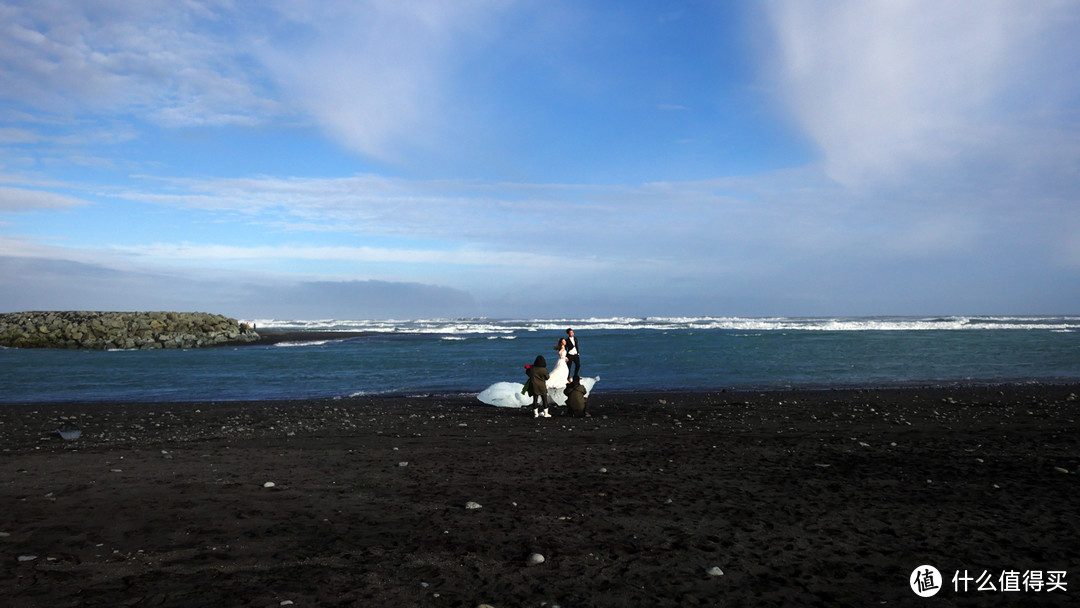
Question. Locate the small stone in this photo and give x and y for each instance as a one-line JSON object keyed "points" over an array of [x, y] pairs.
{"points": [[1061, 470], [269, 484], [403, 463], [603, 469], [286, 603], [715, 571], [472, 505], [69, 432], [535, 559], [27, 558]]}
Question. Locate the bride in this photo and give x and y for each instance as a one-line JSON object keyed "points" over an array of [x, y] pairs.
{"points": [[508, 394], [561, 374]]}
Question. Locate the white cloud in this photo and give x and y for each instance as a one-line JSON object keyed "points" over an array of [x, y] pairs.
{"points": [[887, 87], [376, 75], [10, 136], [224, 254], [103, 56], [21, 199], [377, 205]]}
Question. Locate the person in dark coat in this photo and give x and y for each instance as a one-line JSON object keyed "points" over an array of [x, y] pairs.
{"points": [[538, 377], [573, 353], [575, 397]]}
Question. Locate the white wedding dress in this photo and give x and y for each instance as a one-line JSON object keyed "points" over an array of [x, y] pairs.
{"points": [[508, 394], [560, 375]]}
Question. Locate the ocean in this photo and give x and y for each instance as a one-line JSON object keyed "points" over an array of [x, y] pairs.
{"points": [[463, 356]]}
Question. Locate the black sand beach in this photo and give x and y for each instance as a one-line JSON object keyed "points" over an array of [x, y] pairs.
{"points": [[824, 498]]}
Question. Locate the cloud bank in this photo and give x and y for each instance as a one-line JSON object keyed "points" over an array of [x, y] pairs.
{"points": [[887, 88], [865, 158], [62, 284]]}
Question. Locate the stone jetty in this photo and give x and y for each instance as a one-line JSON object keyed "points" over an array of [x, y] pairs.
{"points": [[123, 330]]}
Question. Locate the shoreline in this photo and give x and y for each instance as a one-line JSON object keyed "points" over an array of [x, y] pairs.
{"points": [[469, 397], [799, 497]]}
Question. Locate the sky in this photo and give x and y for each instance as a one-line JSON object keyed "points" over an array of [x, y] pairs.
{"points": [[395, 159]]}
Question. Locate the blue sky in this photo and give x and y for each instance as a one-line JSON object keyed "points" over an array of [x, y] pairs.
{"points": [[393, 159]]}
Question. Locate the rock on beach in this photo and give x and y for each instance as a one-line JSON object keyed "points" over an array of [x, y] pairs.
{"points": [[120, 330]]}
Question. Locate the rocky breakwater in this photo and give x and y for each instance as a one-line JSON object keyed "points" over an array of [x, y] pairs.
{"points": [[124, 330]]}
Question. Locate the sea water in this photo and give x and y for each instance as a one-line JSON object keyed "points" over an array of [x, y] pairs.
{"points": [[463, 356]]}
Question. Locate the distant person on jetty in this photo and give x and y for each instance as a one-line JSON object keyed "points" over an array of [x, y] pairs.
{"points": [[572, 351], [537, 385], [575, 397]]}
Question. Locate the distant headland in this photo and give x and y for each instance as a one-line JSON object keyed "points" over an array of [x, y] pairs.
{"points": [[121, 330]]}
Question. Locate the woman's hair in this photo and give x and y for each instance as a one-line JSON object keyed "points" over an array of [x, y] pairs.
{"points": [[560, 343]]}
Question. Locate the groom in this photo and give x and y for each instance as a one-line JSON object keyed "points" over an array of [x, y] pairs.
{"points": [[572, 352]]}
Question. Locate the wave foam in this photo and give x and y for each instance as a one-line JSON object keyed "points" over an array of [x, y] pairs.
{"points": [[510, 328]]}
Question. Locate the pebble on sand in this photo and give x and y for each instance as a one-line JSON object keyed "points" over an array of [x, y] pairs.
{"points": [[69, 432], [269, 484], [534, 559], [473, 505], [715, 571]]}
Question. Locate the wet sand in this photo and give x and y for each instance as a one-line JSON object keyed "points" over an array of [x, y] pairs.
{"points": [[823, 498]]}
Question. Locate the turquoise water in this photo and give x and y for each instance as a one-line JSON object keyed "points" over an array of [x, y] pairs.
{"points": [[466, 355]]}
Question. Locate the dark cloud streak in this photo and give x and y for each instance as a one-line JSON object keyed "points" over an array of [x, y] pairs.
{"points": [[49, 284]]}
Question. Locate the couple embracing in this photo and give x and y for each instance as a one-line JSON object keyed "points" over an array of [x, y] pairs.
{"points": [[568, 355]]}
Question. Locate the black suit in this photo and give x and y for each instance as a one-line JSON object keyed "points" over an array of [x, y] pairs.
{"points": [[574, 359]]}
